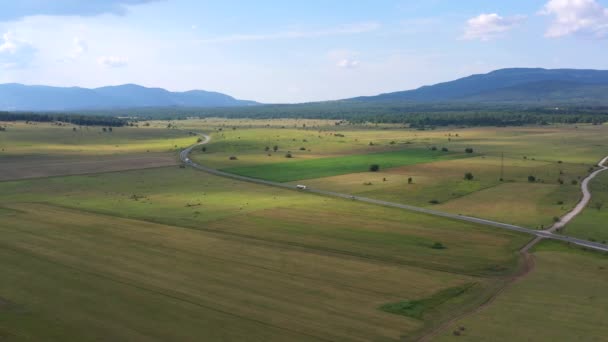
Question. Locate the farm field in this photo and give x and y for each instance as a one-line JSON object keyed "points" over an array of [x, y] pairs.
{"points": [[591, 223], [562, 299], [301, 275], [557, 157], [171, 253]]}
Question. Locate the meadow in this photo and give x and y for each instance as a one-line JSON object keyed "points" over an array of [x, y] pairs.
{"points": [[562, 299], [591, 223], [415, 168], [172, 253], [171, 247]]}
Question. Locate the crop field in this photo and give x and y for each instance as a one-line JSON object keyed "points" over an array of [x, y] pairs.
{"points": [[337, 158], [324, 167], [159, 247], [562, 299], [591, 223], [155, 251]]}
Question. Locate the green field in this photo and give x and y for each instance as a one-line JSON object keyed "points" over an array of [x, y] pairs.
{"points": [[307, 267], [325, 167], [591, 223], [170, 253], [562, 299]]}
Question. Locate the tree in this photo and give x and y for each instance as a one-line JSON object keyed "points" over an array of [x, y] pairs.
{"points": [[266, 148], [410, 180], [438, 245], [374, 168], [531, 179], [233, 158], [288, 155], [204, 149], [468, 150], [468, 176], [275, 148], [434, 148], [110, 129], [598, 205], [444, 149]]}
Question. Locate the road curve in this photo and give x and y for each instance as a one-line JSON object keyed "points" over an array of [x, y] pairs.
{"points": [[564, 220], [184, 156]]}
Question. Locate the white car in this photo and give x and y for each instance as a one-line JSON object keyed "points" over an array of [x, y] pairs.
{"points": [[301, 187]]}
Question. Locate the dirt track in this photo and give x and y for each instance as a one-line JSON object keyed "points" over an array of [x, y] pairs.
{"points": [[23, 167]]}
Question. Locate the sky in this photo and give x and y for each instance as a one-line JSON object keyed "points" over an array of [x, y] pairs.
{"points": [[288, 51]]}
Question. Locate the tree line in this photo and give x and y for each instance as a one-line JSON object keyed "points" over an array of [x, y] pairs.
{"points": [[76, 119]]}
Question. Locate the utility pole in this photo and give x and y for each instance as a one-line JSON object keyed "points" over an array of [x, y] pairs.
{"points": [[502, 166]]}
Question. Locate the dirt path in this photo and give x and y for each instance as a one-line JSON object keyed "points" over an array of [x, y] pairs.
{"points": [[564, 220]]}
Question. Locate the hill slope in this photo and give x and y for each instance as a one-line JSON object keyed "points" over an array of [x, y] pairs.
{"points": [[511, 85], [19, 97]]}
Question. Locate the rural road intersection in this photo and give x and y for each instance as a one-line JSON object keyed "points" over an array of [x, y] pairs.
{"points": [[540, 234]]}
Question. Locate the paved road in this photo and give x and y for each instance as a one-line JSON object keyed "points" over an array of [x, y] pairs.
{"points": [[184, 156], [584, 201]]}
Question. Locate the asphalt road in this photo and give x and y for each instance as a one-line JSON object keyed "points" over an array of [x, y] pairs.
{"points": [[546, 234]]}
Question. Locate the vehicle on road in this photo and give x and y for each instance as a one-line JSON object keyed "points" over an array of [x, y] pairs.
{"points": [[301, 187]]}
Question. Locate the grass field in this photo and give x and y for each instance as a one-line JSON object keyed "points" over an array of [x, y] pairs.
{"points": [[172, 253], [558, 157], [324, 167], [563, 299], [270, 264], [591, 223]]}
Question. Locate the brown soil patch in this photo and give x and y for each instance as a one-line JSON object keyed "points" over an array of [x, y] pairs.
{"points": [[23, 167]]}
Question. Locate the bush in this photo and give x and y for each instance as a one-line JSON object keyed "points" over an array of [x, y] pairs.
{"points": [[438, 245], [233, 158], [288, 155], [410, 180], [531, 179], [434, 201], [374, 168], [468, 150], [468, 176], [204, 149], [302, 148], [434, 148], [444, 149], [556, 219], [574, 182]]}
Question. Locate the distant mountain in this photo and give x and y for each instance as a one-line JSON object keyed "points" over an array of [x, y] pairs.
{"points": [[520, 85], [19, 97]]}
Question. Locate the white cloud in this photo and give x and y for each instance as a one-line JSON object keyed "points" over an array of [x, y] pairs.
{"points": [[584, 17], [12, 10], [113, 61], [15, 53], [489, 26], [79, 48], [337, 31], [348, 63]]}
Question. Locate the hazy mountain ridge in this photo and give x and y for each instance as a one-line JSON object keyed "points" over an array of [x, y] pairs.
{"points": [[19, 97], [526, 85]]}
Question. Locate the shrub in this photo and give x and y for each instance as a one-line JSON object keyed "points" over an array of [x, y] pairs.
{"points": [[374, 168], [468, 176], [302, 148], [574, 182], [434, 201], [288, 155], [434, 148], [438, 245], [233, 158], [531, 179], [556, 219], [410, 180], [444, 149], [468, 150]]}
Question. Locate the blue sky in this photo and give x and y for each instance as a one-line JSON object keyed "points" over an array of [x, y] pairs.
{"points": [[275, 51]]}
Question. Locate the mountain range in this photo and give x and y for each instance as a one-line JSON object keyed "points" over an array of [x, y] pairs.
{"points": [[527, 86], [19, 97], [515, 85]]}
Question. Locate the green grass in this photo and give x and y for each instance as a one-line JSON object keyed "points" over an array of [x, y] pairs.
{"points": [[418, 308], [591, 223], [81, 259], [324, 167], [562, 299]]}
